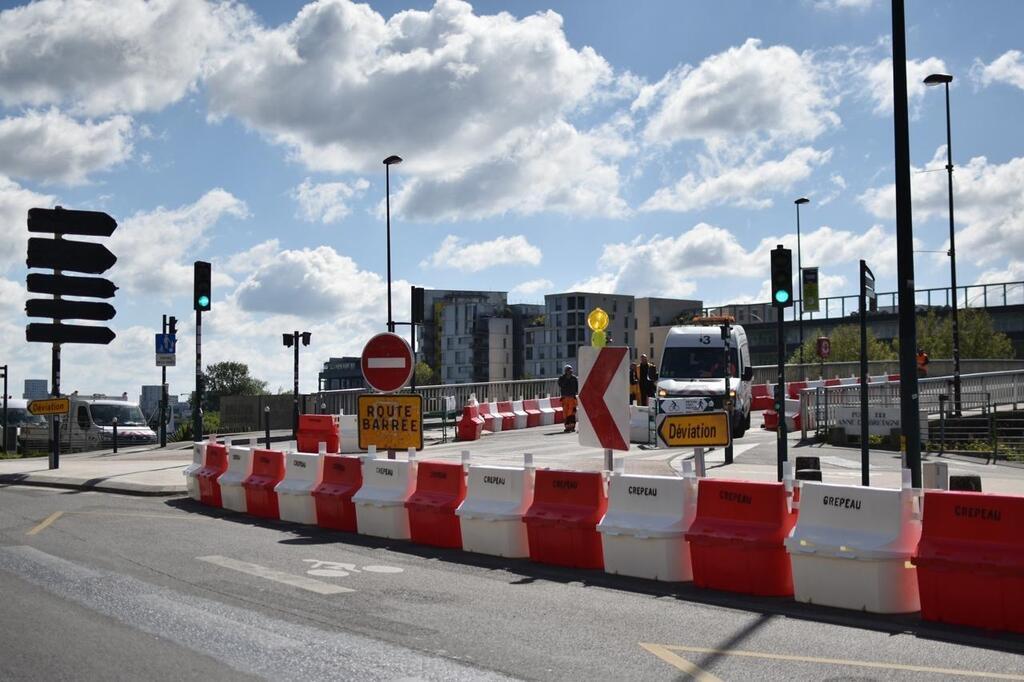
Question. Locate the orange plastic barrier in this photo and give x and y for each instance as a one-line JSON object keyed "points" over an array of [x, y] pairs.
{"points": [[440, 489], [561, 524], [894, 377], [794, 387], [761, 397], [771, 420], [318, 428], [471, 425], [970, 561], [343, 476], [215, 463], [267, 472], [533, 413], [737, 538], [508, 417]]}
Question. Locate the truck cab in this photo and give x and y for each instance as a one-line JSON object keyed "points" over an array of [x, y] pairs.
{"points": [[694, 367]]}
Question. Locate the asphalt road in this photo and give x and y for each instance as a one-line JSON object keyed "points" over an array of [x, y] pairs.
{"points": [[118, 587]]}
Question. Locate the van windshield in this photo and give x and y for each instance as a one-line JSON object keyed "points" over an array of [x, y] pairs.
{"points": [[127, 415], [697, 363], [19, 416]]}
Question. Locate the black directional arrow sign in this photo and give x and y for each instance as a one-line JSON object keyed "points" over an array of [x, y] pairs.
{"points": [[91, 223], [69, 310], [65, 285], [68, 333], [64, 254]]}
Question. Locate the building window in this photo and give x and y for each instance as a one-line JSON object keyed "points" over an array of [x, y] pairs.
{"points": [[629, 308], [615, 306], [504, 342], [529, 353], [570, 351], [652, 337], [558, 304], [625, 338], [570, 334], [504, 373]]}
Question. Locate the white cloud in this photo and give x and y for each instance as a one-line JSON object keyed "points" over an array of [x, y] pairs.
{"points": [[155, 248], [773, 92], [531, 289], [748, 186], [49, 146], [836, 5], [453, 253], [326, 202], [989, 205], [879, 81], [1007, 68], [15, 201], [111, 56]]}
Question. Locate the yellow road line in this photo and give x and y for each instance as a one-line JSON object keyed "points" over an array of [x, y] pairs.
{"points": [[45, 523], [842, 661], [690, 669]]}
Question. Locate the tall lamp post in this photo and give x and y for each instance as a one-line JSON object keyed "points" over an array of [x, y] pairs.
{"points": [[945, 79], [388, 163], [800, 279], [290, 341]]}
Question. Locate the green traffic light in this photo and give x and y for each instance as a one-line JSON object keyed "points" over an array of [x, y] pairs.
{"points": [[204, 301], [781, 295]]}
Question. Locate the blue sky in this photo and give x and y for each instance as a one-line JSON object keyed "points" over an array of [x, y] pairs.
{"points": [[647, 148]]}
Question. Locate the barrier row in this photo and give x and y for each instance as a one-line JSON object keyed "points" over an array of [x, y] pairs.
{"points": [[960, 560], [507, 416]]}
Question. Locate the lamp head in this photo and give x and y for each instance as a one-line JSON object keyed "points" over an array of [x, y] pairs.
{"points": [[938, 79], [802, 200], [392, 160]]}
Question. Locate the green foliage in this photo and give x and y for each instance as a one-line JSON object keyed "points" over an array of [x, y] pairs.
{"points": [[978, 338], [211, 424], [845, 341], [425, 376], [228, 378]]}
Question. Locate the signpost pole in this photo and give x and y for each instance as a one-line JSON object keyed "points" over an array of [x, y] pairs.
{"points": [[55, 388], [4, 444], [864, 458], [780, 396], [698, 462], [726, 334]]}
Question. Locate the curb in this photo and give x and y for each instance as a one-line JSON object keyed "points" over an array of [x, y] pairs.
{"points": [[96, 484]]}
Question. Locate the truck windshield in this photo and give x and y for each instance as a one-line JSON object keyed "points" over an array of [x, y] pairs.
{"points": [[697, 363], [127, 415]]}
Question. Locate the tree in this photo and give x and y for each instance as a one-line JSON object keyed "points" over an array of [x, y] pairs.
{"points": [[978, 338], [845, 340], [425, 376], [229, 378]]}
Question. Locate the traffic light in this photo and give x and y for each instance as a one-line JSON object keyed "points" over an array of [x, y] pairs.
{"points": [[172, 325], [417, 305], [306, 336], [61, 255], [782, 277], [201, 296]]}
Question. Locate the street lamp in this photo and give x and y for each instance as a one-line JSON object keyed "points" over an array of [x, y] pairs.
{"points": [[945, 79], [388, 162], [290, 341], [800, 278]]}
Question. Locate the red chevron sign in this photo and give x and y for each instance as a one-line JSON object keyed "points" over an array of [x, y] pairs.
{"points": [[604, 397]]}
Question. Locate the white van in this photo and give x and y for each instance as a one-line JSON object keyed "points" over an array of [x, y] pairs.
{"points": [[18, 418], [692, 374], [90, 426]]}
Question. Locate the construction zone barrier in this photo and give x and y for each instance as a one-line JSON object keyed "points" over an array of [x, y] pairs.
{"points": [[267, 472], [380, 502], [771, 420], [440, 489], [491, 515], [519, 410], [736, 539], [492, 420], [970, 561], [302, 474], [342, 477], [761, 397], [534, 417], [348, 432], [547, 412], [318, 428], [471, 424], [508, 417], [215, 463], [793, 389], [232, 494], [643, 532], [191, 484], [556, 405], [852, 545], [561, 523]]}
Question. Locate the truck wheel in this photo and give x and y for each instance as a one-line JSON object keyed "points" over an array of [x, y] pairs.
{"points": [[739, 427]]}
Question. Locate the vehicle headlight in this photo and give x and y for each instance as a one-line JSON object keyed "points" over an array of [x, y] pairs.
{"points": [[732, 393], [662, 393]]}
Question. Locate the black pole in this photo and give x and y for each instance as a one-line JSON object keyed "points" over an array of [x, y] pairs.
{"points": [[163, 396], [114, 425], [55, 388], [197, 412], [726, 333], [295, 398], [952, 263], [800, 283], [266, 424], [4, 444], [864, 454], [909, 419], [387, 185], [780, 396]]}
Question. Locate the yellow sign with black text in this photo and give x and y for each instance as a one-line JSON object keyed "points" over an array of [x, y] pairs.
{"points": [[694, 430], [49, 406], [390, 422]]}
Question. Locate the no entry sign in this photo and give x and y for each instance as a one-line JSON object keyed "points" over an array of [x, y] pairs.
{"points": [[387, 362]]}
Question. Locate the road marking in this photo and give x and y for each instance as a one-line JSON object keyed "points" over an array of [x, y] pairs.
{"points": [[45, 523], [299, 581], [690, 669], [825, 661]]}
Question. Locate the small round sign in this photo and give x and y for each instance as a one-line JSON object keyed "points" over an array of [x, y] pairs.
{"points": [[387, 362], [824, 347]]}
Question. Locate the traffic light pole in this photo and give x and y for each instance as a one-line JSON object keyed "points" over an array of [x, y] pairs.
{"points": [[295, 398], [4, 444], [197, 412], [780, 396], [163, 396]]}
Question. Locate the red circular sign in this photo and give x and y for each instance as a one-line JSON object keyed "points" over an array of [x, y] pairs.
{"points": [[387, 362]]}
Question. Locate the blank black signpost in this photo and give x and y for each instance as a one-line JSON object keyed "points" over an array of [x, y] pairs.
{"points": [[868, 301], [61, 254]]}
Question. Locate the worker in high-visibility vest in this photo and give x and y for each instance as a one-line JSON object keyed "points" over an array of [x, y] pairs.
{"points": [[634, 385], [570, 387], [922, 363]]}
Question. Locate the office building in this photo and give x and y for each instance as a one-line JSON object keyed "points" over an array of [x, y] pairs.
{"points": [[341, 373], [551, 342], [654, 318], [36, 389]]}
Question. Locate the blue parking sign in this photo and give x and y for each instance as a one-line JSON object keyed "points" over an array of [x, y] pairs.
{"points": [[165, 344]]}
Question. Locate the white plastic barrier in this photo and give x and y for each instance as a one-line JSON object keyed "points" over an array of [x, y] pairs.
{"points": [[491, 516], [817, 383], [547, 412], [191, 482], [852, 545], [643, 531], [792, 411], [302, 473], [846, 381], [639, 424], [520, 413], [492, 420], [348, 431], [880, 379], [380, 502], [232, 494]]}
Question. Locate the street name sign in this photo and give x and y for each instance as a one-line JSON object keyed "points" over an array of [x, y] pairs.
{"points": [[695, 430], [604, 397], [49, 406], [387, 362], [390, 422]]}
